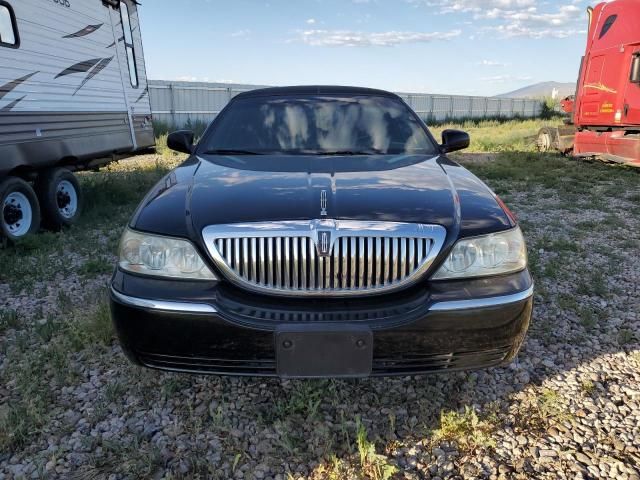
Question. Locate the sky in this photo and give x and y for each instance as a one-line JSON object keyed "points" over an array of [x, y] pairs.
{"points": [[466, 47]]}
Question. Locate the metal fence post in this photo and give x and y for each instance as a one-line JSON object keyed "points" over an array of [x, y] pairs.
{"points": [[172, 106]]}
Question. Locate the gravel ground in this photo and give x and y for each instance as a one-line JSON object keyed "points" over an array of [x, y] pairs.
{"points": [[71, 406]]}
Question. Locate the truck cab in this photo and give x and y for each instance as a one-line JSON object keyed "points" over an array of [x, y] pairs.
{"points": [[607, 97], [606, 114]]}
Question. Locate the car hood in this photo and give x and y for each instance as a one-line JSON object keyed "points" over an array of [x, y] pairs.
{"points": [[211, 190]]}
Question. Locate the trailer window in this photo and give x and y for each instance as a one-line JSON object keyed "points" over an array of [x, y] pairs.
{"points": [[608, 23], [8, 28], [128, 44]]}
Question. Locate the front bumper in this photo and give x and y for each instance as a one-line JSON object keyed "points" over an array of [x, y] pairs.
{"points": [[217, 329]]}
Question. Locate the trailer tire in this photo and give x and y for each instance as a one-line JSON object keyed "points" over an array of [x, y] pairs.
{"points": [[19, 209], [60, 198]]}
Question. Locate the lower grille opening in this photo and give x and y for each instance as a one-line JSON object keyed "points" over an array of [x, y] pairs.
{"points": [[394, 365], [424, 363], [197, 364]]}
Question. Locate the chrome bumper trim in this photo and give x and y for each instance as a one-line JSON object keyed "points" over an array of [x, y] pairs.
{"points": [[187, 307], [161, 305], [482, 302]]}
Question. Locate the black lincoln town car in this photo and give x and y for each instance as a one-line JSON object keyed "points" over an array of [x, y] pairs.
{"points": [[321, 232]]}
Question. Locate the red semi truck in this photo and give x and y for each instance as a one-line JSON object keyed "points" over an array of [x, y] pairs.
{"points": [[605, 116]]}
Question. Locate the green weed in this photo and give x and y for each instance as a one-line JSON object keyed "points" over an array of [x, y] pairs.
{"points": [[466, 428], [374, 465]]}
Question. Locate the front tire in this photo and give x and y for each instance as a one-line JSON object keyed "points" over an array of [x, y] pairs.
{"points": [[19, 209], [60, 197]]}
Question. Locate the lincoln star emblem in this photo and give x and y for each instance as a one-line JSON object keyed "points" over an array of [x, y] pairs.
{"points": [[323, 203], [324, 243]]}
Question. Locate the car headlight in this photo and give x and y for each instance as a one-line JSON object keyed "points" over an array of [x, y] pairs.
{"points": [[494, 254], [159, 256]]}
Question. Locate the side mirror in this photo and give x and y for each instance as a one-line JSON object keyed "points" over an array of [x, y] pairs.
{"points": [[635, 69], [453, 140], [181, 141]]}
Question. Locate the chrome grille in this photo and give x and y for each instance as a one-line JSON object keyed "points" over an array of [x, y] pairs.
{"points": [[290, 257]]}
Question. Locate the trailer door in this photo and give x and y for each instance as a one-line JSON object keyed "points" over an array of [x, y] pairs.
{"points": [[631, 108], [126, 54]]}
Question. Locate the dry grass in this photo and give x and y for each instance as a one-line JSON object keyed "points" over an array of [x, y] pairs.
{"points": [[499, 136]]}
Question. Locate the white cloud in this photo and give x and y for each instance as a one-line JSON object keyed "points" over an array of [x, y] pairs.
{"points": [[311, 21], [506, 78], [517, 30], [517, 18], [491, 63], [241, 33], [566, 14], [450, 6], [346, 38]]}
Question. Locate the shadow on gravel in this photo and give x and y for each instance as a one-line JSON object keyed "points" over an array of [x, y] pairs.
{"points": [[568, 406]]}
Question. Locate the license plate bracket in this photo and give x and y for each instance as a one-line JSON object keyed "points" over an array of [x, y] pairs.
{"points": [[321, 351]]}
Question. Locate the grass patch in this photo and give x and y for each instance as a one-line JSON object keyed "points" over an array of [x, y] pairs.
{"points": [[96, 267], [374, 465], [588, 387], [571, 180], [466, 428], [303, 400], [543, 410], [588, 318], [8, 320], [550, 406], [593, 283], [32, 368], [497, 135], [625, 337], [94, 328]]}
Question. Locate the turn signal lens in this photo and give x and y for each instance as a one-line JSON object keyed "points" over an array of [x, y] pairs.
{"points": [[162, 257], [494, 254]]}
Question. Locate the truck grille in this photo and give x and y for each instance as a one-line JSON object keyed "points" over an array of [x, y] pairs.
{"points": [[323, 257]]}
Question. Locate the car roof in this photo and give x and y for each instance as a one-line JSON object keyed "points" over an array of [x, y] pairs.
{"points": [[315, 90]]}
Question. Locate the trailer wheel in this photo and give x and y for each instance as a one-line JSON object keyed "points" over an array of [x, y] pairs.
{"points": [[60, 197], [20, 211]]}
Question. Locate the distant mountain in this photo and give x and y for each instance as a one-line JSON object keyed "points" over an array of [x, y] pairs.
{"points": [[543, 89]]}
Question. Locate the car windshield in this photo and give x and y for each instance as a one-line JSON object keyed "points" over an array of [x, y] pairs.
{"points": [[317, 125]]}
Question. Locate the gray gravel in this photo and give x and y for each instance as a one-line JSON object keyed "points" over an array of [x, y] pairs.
{"points": [[568, 407]]}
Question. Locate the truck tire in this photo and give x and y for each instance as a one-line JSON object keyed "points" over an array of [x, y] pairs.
{"points": [[547, 140], [60, 198], [19, 209]]}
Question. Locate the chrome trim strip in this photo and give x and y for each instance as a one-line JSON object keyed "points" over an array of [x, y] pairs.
{"points": [[481, 302], [182, 307]]}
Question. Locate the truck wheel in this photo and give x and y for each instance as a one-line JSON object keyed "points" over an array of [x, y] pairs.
{"points": [[545, 139], [60, 198], [19, 208]]}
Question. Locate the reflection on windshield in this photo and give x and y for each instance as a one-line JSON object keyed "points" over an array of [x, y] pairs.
{"points": [[318, 125]]}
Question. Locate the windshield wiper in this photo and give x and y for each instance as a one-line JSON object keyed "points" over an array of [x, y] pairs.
{"points": [[230, 151]]}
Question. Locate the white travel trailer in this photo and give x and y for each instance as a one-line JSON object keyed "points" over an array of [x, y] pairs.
{"points": [[73, 96]]}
